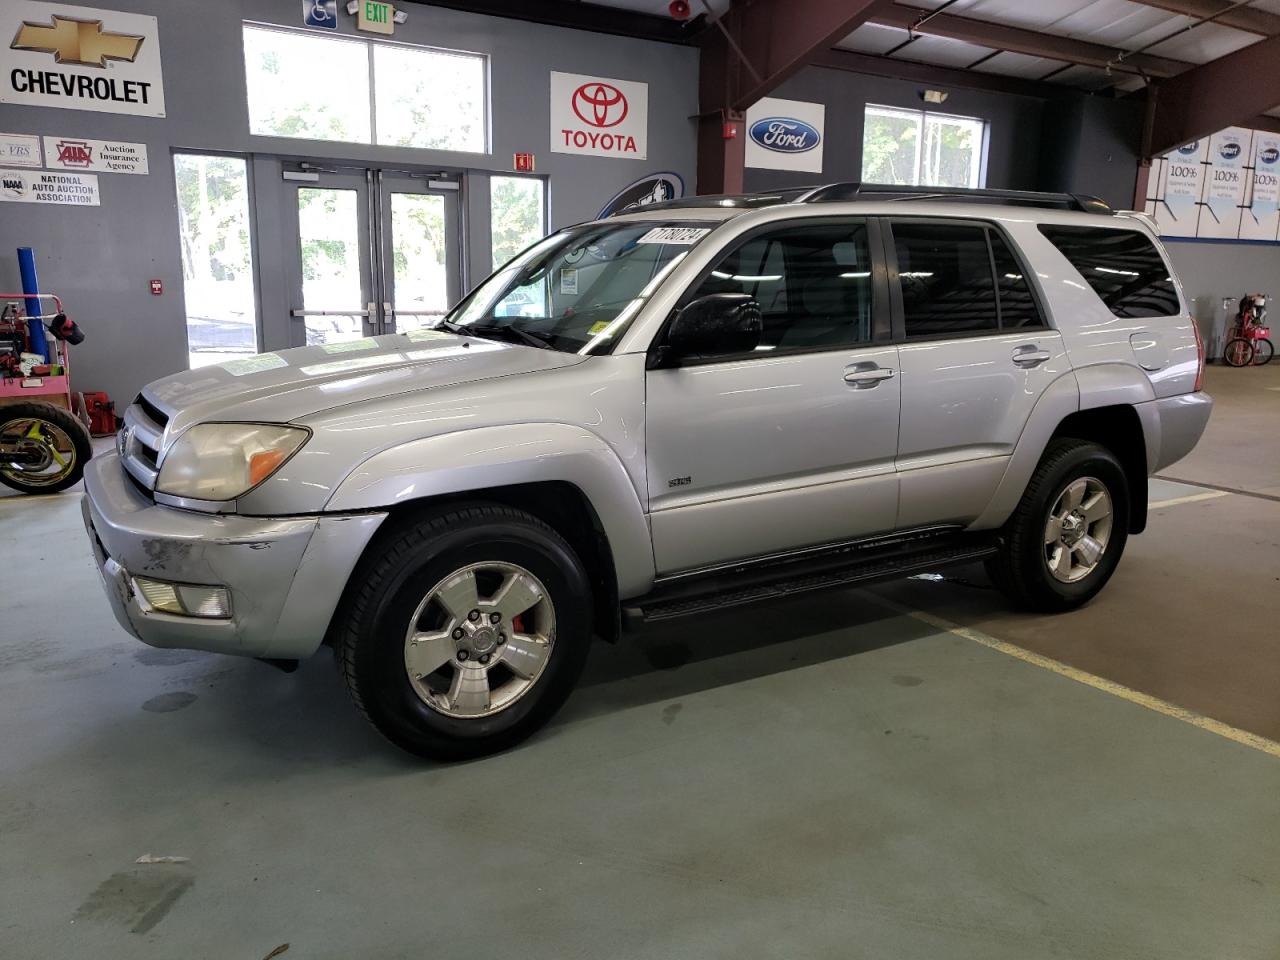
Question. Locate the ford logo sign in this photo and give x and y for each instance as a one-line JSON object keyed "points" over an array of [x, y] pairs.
{"points": [[1190, 148], [1269, 155], [785, 134], [1229, 151]]}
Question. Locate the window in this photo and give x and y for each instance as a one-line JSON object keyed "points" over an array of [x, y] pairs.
{"points": [[1017, 305], [517, 215], [578, 290], [1122, 266], [390, 94], [813, 284], [217, 257], [945, 274], [917, 148]]}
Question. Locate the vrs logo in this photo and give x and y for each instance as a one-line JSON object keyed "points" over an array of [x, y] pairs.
{"points": [[785, 134], [1229, 151], [1269, 155]]}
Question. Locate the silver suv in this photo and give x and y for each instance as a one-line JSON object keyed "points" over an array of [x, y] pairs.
{"points": [[707, 403]]}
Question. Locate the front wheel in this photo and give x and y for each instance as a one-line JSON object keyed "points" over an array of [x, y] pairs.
{"points": [[1262, 352], [1065, 539], [464, 632], [43, 448], [1238, 352]]}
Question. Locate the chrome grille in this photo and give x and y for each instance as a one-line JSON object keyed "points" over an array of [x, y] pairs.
{"points": [[140, 441]]}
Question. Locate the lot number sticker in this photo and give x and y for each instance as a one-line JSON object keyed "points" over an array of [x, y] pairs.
{"points": [[680, 236]]}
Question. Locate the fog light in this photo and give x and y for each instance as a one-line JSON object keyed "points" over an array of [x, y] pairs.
{"points": [[185, 600]]}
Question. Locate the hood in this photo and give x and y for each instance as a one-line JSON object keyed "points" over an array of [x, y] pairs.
{"points": [[287, 384]]}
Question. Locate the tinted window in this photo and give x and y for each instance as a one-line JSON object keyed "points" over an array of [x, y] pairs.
{"points": [[1122, 266], [813, 284], [1017, 306], [945, 274]]}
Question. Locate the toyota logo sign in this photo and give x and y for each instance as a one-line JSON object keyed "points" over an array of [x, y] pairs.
{"points": [[599, 116], [599, 104]]}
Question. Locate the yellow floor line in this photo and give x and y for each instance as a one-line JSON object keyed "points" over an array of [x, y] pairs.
{"points": [[1243, 737], [21, 498], [1192, 498]]}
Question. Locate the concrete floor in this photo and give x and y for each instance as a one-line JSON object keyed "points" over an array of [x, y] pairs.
{"points": [[825, 778]]}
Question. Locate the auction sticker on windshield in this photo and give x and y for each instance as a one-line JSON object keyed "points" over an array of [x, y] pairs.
{"points": [[683, 236]]}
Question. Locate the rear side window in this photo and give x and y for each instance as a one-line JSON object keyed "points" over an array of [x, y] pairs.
{"points": [[944, 271], [1122, 266], [1017, 306]]}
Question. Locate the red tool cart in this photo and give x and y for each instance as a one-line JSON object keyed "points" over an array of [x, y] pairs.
{"points": [[43, 445]]}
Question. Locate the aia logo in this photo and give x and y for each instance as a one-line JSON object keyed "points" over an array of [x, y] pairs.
{"points": [[74, 153], [599, 104], [1269, 155]]}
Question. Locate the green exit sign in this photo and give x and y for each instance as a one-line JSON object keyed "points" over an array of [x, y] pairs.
{"points": [[376, 17]]}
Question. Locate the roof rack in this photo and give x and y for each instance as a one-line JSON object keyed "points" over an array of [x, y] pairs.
{"points": [[730, 201], [835, 192]]}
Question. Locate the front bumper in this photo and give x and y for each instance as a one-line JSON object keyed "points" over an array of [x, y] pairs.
{"points": [[285, 576]]}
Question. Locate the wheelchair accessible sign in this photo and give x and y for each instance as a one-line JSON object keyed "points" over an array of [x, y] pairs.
{"points": [[320, 13]]}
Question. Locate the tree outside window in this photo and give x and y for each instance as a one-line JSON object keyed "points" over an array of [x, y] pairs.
{"points": [[918, 148]]}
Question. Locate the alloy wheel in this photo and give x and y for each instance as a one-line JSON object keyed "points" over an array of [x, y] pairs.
{"points": [[1078, 529]]}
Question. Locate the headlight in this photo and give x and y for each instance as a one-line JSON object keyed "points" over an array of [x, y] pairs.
{"points": [[222, 461]]}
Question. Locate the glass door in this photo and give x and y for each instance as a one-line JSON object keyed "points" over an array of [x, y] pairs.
{"points": [[377, 252], [334, 289], [418, 227]]}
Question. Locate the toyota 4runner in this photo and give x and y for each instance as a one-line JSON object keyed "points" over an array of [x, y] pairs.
{"points": [[700, 404]]}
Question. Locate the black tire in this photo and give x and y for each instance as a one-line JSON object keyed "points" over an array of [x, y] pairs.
{"points": [[1238, 352], [1021, 569], [400, 569], [1262, 352], [76, 444]]}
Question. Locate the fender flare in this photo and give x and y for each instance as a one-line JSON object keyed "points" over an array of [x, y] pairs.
{"points": [[1085, 388], [507, 456]]}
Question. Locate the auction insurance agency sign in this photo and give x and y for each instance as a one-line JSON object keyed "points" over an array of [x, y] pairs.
{"points": [[79, 58], [599, 117], [785, 135]]}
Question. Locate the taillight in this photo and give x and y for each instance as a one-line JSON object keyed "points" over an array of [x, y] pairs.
{"points": [[1199, 356]]}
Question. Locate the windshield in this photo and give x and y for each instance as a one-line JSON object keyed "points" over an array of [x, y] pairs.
{"points": [[578, 290]]}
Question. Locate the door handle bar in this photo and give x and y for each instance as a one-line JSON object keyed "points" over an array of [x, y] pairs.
{"points": [[1030, 358], [867, 378]]}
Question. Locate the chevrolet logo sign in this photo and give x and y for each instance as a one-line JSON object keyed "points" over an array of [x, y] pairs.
{"points": [[77, 41]]}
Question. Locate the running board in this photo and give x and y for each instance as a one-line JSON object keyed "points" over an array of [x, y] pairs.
{"points": [[847, 566]]}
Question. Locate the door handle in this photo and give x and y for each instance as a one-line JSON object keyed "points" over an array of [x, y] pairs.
{"points": [[863, 376], [1030, 356]]}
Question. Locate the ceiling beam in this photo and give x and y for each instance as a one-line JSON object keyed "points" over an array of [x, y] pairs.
{"points": [[1221, 93], [1249, 19], [944, 77], [583, 16], [754, 47], [1029, 42], [1264, 122]]}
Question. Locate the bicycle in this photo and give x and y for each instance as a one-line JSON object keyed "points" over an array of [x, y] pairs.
{"points": [[1247, 342]]}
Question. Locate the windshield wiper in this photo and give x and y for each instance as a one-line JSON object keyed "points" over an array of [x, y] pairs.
{"points": [[448, 326], [495, 331]]}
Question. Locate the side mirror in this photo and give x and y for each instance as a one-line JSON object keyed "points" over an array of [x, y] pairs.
{"points": [[715, 325]]}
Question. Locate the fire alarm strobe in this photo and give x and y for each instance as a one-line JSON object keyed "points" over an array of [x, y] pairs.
{"points": [[157, 287]]}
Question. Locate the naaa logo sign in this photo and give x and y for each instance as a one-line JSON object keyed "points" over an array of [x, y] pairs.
{"points": [[81, 58], [785, 135], [599, 116]]}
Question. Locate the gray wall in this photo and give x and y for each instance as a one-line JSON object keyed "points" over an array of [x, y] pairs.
{"points": [[101, 259], [1211, 271], [1015, 125]]}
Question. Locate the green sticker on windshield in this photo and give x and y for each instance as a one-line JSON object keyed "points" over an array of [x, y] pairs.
{"points": [[599, 327]]}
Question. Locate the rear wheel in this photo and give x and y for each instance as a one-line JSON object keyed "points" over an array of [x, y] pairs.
{"points": [[1065, 539], [466, 631], [1238, 352], [1262, 352], [43, 448]]}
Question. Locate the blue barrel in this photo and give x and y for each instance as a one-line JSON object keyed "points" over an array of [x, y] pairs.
{"points": [[31, 287]]}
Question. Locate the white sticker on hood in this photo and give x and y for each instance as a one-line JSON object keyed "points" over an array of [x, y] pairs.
{"points": [[683, 236]]}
